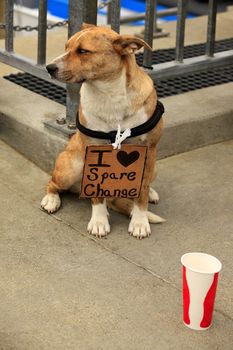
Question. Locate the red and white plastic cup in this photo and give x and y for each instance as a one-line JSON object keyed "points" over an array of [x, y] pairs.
{"points": [[200, 279]]}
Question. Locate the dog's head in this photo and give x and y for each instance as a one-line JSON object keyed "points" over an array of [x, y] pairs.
{"points": [[94, 53]]}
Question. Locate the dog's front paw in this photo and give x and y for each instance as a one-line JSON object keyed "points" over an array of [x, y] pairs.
{"points": [[139, 227], [99, 227], [51, 202]]}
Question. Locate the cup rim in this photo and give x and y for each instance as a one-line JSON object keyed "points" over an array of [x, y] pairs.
{"points": [[217, 261]]}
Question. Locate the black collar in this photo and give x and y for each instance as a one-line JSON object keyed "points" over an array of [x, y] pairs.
{"points": [[137, 131]]}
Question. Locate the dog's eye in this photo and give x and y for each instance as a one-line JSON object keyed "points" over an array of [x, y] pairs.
{"points": [[81, 51]]}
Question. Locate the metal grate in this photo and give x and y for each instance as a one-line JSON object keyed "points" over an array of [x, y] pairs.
{"points": [[165, 87], [39, 86], [167, 55], [194, 81]]}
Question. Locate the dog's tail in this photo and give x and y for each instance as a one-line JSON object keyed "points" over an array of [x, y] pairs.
{"points": [[154, 219], [124, 206]]}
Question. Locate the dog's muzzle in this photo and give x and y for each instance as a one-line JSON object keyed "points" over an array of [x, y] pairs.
{"points": [[52, 69]]}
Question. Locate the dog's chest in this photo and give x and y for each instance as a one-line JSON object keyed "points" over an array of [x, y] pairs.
{"points": [[105, 111]]}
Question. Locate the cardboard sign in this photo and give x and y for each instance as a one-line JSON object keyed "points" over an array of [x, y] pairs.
{"points": [[112, 172]]}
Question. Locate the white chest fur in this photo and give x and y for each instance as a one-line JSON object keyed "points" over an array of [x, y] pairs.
{"points": [[108, 103]]}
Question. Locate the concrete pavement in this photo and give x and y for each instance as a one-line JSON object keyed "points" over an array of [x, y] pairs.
{"points": [[63, 289]]}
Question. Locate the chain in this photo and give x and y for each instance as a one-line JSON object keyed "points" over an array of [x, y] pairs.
{"points": [[17, 28], [30, 28]]}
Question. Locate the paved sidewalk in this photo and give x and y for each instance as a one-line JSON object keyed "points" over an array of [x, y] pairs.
{"points": [[63, 289]]}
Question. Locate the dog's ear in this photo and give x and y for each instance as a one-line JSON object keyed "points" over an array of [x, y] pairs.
{"points": [[87, 26], [129, 44]]}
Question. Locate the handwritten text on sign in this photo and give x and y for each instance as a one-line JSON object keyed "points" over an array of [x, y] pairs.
{"points": [[113, 173]]}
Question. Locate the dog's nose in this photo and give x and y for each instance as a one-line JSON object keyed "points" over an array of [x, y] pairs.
{"points": [[52, 68]]}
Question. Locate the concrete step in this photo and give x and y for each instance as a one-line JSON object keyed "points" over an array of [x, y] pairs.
{"points": [[192, 120]]}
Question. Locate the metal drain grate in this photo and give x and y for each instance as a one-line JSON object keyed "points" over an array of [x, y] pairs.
{"points": [[40, 86], [194, 81], [167, 55], [165, 87]]}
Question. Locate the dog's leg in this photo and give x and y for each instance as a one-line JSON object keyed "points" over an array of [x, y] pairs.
{"points": [[139, 226], [51, 202], [67, 172], [99, 225], [153, 196]]}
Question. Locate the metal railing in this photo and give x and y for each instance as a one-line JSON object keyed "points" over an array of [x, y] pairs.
{"points": [[86, 11], [210, 59]]}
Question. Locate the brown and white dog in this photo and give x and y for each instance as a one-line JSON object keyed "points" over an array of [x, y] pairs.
{"points": [[115, 90]]}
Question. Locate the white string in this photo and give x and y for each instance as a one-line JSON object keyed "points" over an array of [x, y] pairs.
{"points": [[120, 137]]}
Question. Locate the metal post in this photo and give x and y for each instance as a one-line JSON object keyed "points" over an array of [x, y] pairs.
{"points": [[42, 37], [76, 15], [2, 19], [9, 18], [109, 13], [149, 30], [211, 28], [155, 28], [180, 29], [115, 9], [90, 15]]}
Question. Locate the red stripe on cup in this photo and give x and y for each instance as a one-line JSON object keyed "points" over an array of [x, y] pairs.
{"points": [[209, 303], [186, 298]]}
